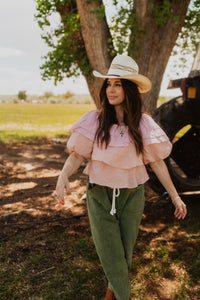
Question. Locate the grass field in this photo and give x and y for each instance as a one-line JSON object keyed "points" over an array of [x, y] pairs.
{"points": [[26, 122], [49, 255], [23, 122]]}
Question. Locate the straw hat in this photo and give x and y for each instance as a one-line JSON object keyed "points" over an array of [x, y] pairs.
{"points": [[124, 67]]}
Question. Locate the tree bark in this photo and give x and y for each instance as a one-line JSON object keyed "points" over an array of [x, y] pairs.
{"points": [[195, 70], [155, 43], [94, 39], [97, 40]]}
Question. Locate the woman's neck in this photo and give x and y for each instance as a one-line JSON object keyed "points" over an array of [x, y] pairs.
{"points": [[119, 114]]}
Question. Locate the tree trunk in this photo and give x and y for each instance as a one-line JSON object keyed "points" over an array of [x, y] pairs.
{"points": [[155, 43], [151, 44], [196, 62], [195, 70], [96, 36], [94, 39]]}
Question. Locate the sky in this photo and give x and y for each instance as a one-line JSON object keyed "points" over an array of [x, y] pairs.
{"points": [[21, 51]]}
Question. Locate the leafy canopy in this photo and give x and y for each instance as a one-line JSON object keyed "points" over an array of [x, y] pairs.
{"points": [[61, 31]]}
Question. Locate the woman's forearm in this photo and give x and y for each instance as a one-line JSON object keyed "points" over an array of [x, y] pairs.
{"points": [[160, 169], [73, 162]]}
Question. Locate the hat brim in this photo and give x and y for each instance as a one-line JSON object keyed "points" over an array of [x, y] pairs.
{"points": [[143, 83]]}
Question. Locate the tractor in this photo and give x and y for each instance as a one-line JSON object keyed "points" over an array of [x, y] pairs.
{"points": [[180, 119]]}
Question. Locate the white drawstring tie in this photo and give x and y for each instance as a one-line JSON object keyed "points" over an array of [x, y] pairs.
{"points": [[113, 209]]}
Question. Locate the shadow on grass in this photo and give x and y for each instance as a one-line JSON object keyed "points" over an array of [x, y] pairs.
{"points": [[50, 256], [53, 261], [57, 260], [166, 260]]}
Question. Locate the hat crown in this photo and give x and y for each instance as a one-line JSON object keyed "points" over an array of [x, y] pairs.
{"points": [[123, 65]]}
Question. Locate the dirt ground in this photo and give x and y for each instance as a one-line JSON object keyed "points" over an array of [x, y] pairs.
{"points": [[28, 178], [28, 175]]}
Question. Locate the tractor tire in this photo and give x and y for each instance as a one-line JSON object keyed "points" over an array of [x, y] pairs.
{"points": [[184, 161]]}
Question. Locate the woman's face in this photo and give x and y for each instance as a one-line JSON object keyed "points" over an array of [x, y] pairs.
{"points": [[115, 92]]}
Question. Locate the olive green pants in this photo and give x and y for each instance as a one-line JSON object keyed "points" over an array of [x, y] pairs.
{"points": [[115, 235]]}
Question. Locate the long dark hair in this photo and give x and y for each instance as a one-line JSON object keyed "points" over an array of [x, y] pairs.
{"points": [[132, 106]]}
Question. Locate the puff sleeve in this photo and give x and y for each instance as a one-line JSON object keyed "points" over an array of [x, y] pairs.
{"points": [[83, 134], [156, 142]]}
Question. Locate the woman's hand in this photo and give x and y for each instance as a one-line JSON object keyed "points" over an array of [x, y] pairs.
{"points": [[160, 169], [62, 184], [181, 210], [72, 163]]}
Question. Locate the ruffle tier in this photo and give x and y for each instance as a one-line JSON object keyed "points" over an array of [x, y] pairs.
{"points": [[118, 165], [106, 175]]}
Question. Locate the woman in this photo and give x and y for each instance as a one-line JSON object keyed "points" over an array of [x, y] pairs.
{"points": [[118, 140]]}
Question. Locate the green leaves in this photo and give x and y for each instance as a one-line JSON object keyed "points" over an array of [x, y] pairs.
{"points": [[190, 33], [121, 25], [163, 12], [100, 12], [189, 37], [66, 57]]}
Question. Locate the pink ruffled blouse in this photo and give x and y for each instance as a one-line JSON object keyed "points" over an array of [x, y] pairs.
{"points": [[118, 166]]}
